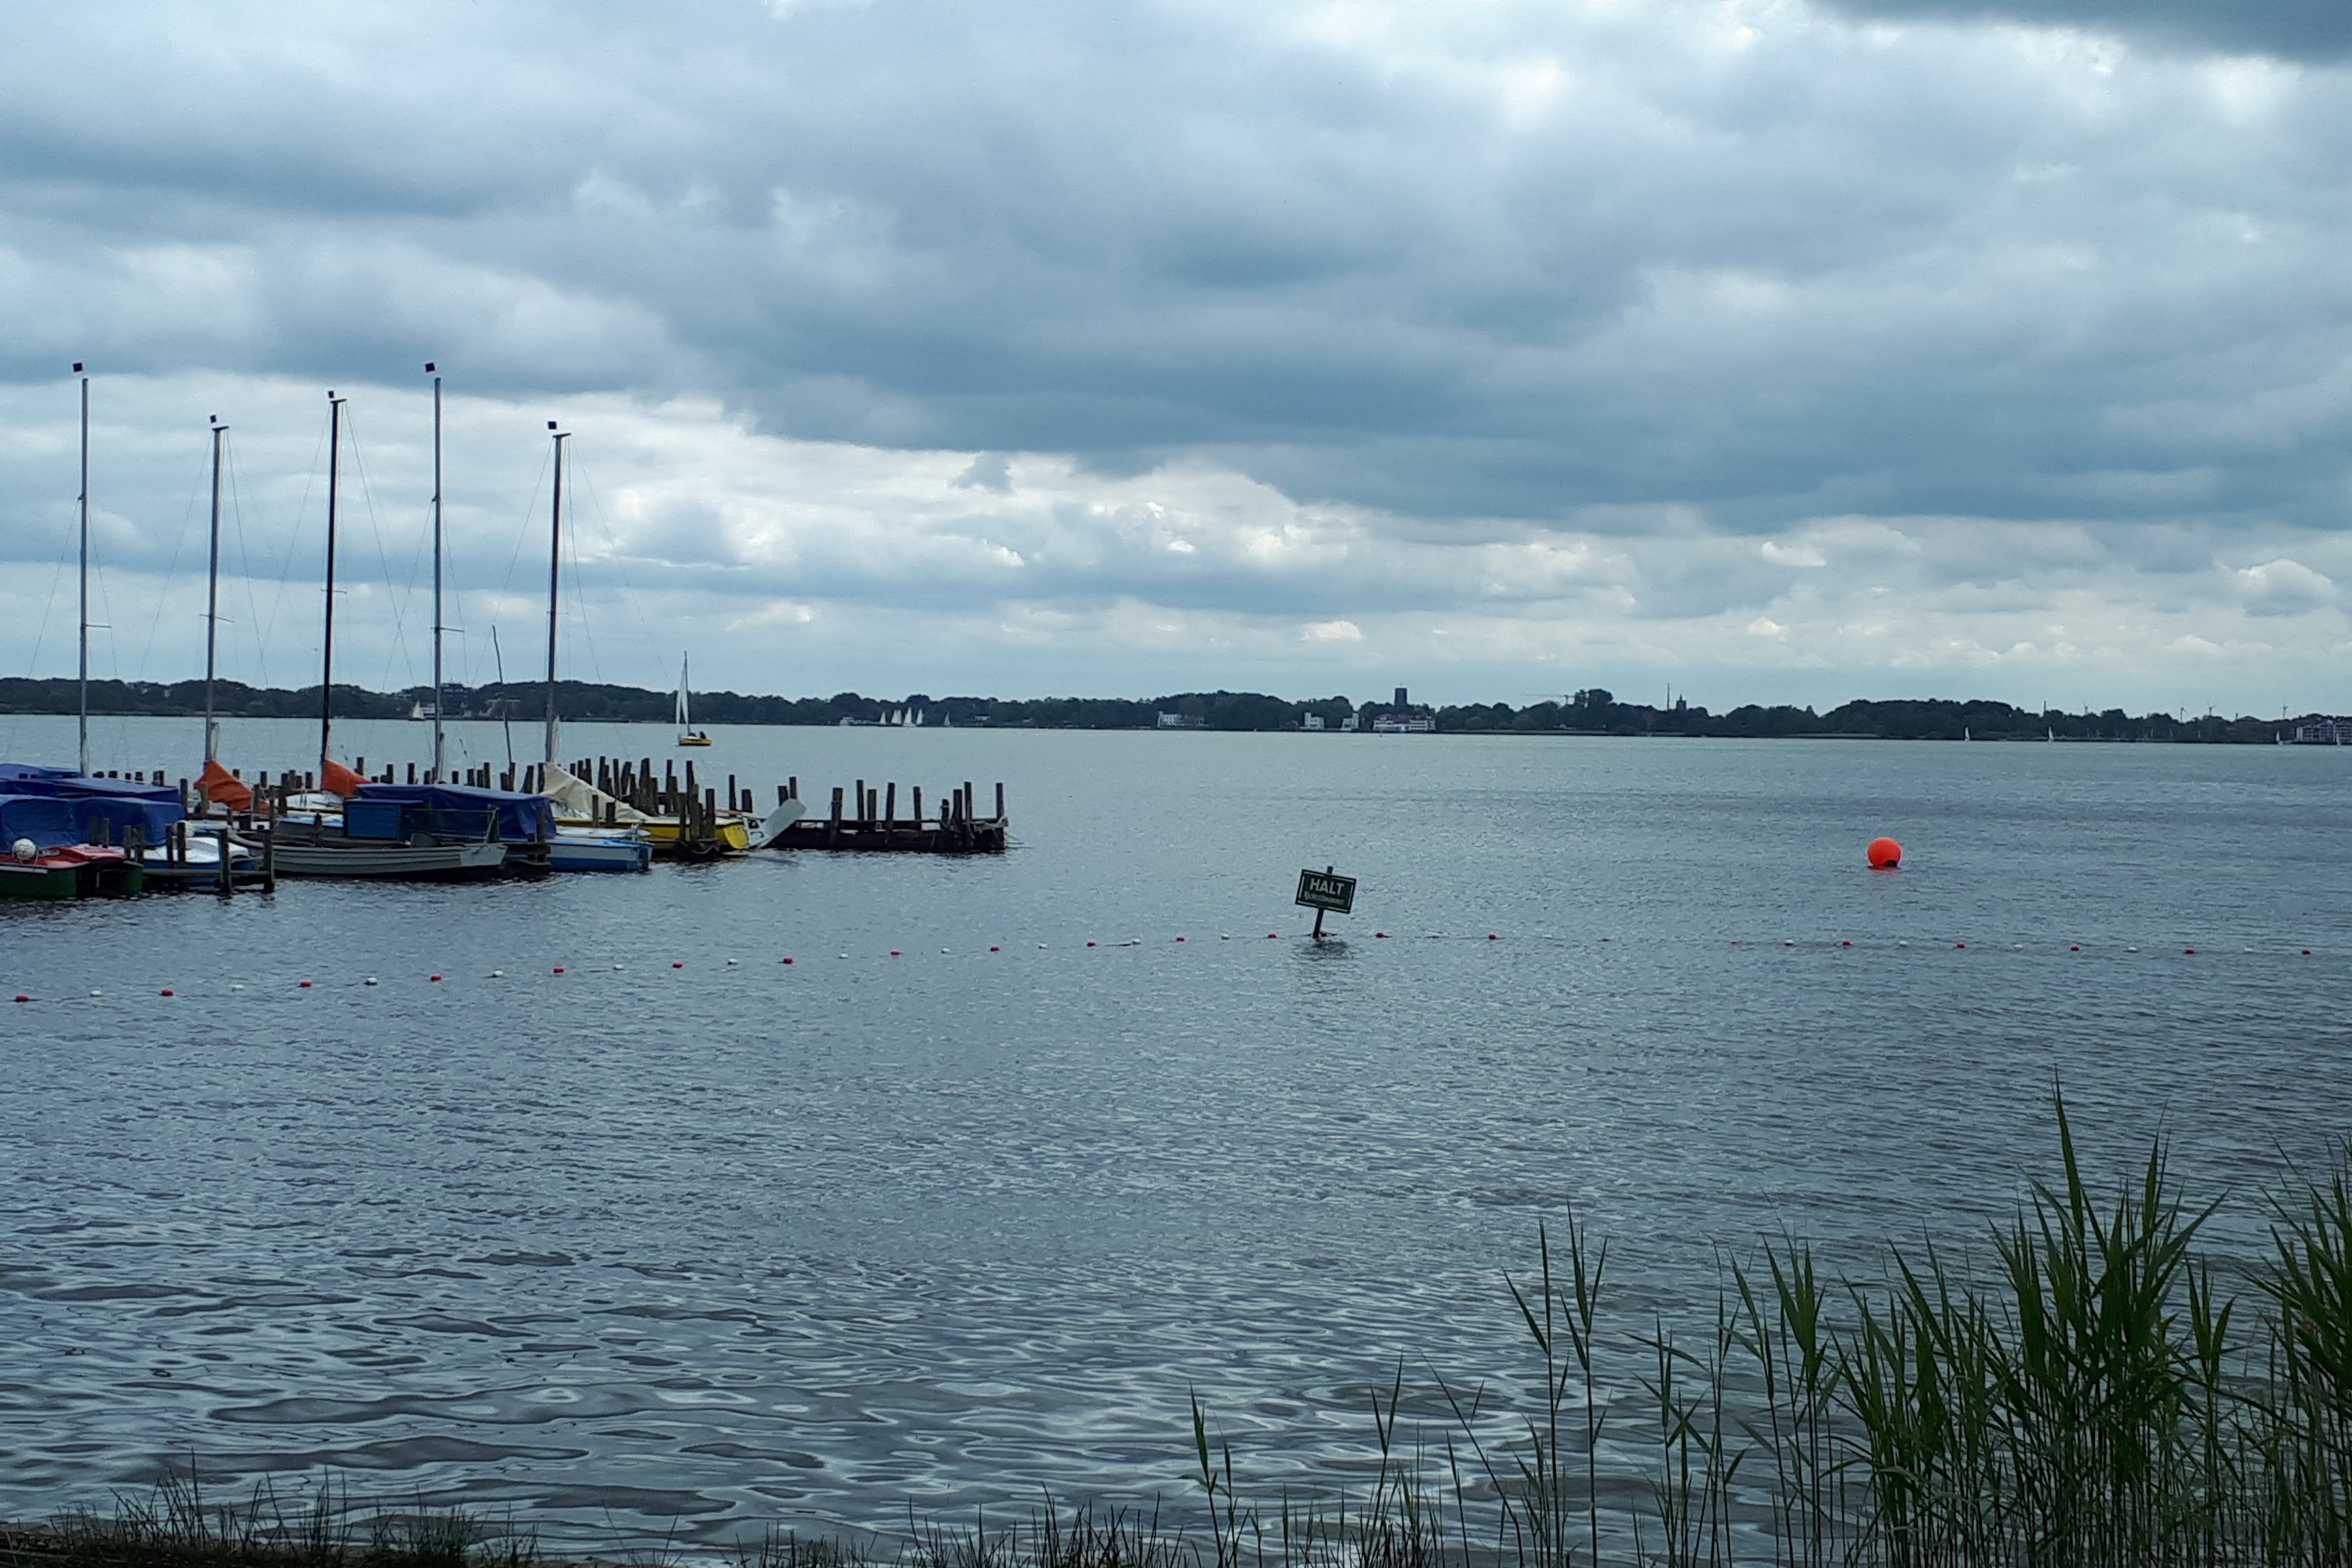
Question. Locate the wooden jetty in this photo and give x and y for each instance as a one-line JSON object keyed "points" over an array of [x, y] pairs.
{"points": [[711, 819], [871, 822], [860, 818]]}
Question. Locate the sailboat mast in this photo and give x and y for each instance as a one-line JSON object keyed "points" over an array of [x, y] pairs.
{"points": [[211, 604], [554, 567], [440, 753], [685, 708], [327, 653], [84, 707]]}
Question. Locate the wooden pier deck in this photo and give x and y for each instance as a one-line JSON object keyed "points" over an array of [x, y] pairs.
{"points": [[868, 820]]}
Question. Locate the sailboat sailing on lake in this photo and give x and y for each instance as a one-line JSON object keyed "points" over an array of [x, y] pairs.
{"points": [[687, 735]]}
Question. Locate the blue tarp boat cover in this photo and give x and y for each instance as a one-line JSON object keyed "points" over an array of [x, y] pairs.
{"points": [[88, 802], [462, 811], [48, 822]]}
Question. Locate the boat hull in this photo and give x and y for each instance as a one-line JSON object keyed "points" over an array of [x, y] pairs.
{"points": [[406, 862], [566, 853], [730, 835], [58, 877]]}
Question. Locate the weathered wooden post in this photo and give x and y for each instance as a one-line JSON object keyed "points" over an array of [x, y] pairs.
{"points": [[832, 828]]}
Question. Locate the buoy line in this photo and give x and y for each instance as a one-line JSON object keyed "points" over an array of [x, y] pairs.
{"points": [[1788, 945]]}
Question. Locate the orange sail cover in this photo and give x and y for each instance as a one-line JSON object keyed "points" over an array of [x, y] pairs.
{"points": [[222, 787]]}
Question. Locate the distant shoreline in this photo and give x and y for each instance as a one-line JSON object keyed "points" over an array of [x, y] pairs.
{"points": [[1593, 712]]}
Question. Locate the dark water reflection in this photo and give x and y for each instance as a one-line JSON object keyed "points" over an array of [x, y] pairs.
{"points": [[734, 1241]]}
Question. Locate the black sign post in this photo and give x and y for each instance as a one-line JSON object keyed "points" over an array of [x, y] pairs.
{"points": [[1325, 893]]}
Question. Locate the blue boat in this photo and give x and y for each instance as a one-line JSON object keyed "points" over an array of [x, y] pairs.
{"points": [[67, 834], [524, 823]]}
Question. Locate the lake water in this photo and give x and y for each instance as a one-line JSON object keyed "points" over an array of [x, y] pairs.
{"points": [[654, 1249]]}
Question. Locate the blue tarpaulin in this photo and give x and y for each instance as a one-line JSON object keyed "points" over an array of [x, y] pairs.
{"points": [[48, 821], [94, 808], [461, 811]]}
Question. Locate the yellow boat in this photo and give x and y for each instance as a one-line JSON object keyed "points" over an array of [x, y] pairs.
{"points": [[730, 835], [579, 803]]}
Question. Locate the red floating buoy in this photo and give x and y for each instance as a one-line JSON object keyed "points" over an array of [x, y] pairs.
{"points": [[559, 969], [676, 964], [437, 977], [2188, 949], [1845, 944], [1959, 945], [992, 950], [306, 985], [1492, 937], [22, 997], [788, 961], [1379, 934], [1886, 854], [1270, 936], [167, 991], [1180, 939], [2076, 948], [1090, 944], [2306, 952]]}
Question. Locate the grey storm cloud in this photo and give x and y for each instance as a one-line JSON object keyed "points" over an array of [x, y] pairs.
{"points": [[1675, 277], [1511, 266], [2292, 29]]}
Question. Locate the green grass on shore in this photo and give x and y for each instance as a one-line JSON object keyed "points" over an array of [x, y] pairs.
{"points": [[2100, 1395]]}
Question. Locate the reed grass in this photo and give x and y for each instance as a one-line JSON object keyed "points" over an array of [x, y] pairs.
{"points": [[2096, 1396]]}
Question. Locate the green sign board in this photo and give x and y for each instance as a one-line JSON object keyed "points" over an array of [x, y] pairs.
{"points": [[1322, 890]]}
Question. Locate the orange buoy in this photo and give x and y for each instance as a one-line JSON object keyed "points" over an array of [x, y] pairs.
{"points": [[1885, 855]]}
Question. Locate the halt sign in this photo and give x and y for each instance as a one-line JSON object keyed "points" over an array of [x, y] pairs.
{"points": [[1321, 891]]}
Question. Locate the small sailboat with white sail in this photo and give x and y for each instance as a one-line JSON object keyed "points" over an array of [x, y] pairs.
{"points": [[687, 735]]}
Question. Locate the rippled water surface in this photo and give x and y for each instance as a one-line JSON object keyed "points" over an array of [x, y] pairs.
{"points": [[636, 1246]]}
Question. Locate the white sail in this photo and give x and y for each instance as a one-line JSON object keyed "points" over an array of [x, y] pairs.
{"points": [[579, 800], [683, 719]]}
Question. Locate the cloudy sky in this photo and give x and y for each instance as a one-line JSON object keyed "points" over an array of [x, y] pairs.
{"points": [[1756, 349]]}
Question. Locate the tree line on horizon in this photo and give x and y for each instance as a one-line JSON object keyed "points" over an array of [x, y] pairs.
{"points": [[1592, 711]]}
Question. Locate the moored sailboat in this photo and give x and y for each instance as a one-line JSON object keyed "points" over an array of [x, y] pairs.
{"points": [[332, 844], [576, 847]]}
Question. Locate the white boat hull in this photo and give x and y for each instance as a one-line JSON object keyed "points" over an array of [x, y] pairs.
{"points": [[566, 852], [771, 828], [348, 858]]}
